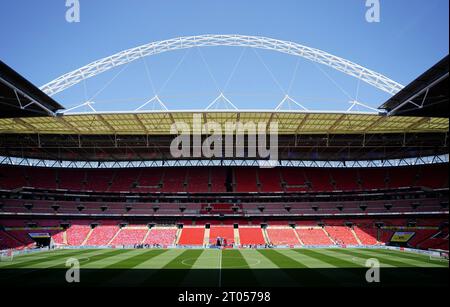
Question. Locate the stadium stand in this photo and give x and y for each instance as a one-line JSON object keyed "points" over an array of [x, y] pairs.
{"points": [[174, 180], [314, 236], [130, 236], [282, 236], [251, 236], [345, 180], [421, 236], [224, 232], [246, 180], [161, 236], [341, 235], [12, 178], [15, 233], [198, 180], [214, 180], [294, 180], [218, 180], [192, 236], [270, 180], [102, 234], [366, 235], [123, 180], [7, 241], [77, 233]]}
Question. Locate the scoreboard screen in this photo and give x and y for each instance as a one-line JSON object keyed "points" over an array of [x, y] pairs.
{"points": [[402, 236]]}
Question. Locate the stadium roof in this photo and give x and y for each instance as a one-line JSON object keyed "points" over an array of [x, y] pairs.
{"points": [[425, 96], [20, 98], [160, 122]]}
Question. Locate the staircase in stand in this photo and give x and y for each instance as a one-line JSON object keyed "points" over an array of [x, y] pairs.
{"points": [[115, 236], [206, 238], [266, 236], [356, 236], [178, 236], [237, 238], [146, 236], [87, 237], [298, 238], [328, 235]]}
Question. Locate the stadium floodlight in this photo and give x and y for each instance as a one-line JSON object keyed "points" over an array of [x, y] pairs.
{"points": [[315, 55]]}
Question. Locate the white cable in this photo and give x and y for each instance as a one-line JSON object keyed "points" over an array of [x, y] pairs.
{"points": [[334, 82], [109, 82], [209, 70], [147, 70], [174, 71], [270, 72], [294, 76], [234, 69]]}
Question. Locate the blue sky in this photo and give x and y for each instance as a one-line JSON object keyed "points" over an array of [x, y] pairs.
{"points": [[39, 43]]}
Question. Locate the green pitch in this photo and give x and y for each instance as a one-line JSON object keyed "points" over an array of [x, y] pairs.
{"points": [[228, 268]]}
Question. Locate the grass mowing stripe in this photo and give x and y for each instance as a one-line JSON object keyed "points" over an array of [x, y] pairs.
{"points": [[233, 259], [418, 262], [160, 261], [103, 260], [24, 257], [345, 272], [367, 255], [297, 271], [309, 262], [45, 259], [408, 255], [42, 274], [205, 272], [99, 277], [235, 270], [144, 270], [322, 256], [265, 271], [256, 261], [409, 271], [282, 261], [5, 273], [178, 262], [174, 272], [134, 261], [424, 263], [38, 256], [385, 260], [54, 274]]}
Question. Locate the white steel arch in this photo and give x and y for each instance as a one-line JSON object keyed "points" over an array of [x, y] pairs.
{"points": [[369, 76]]}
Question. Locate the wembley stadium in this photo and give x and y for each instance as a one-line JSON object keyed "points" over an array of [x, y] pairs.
{"points": [[105, 188]]}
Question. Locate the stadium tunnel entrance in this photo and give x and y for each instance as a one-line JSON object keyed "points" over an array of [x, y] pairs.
{"points": [[42, 239]]}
